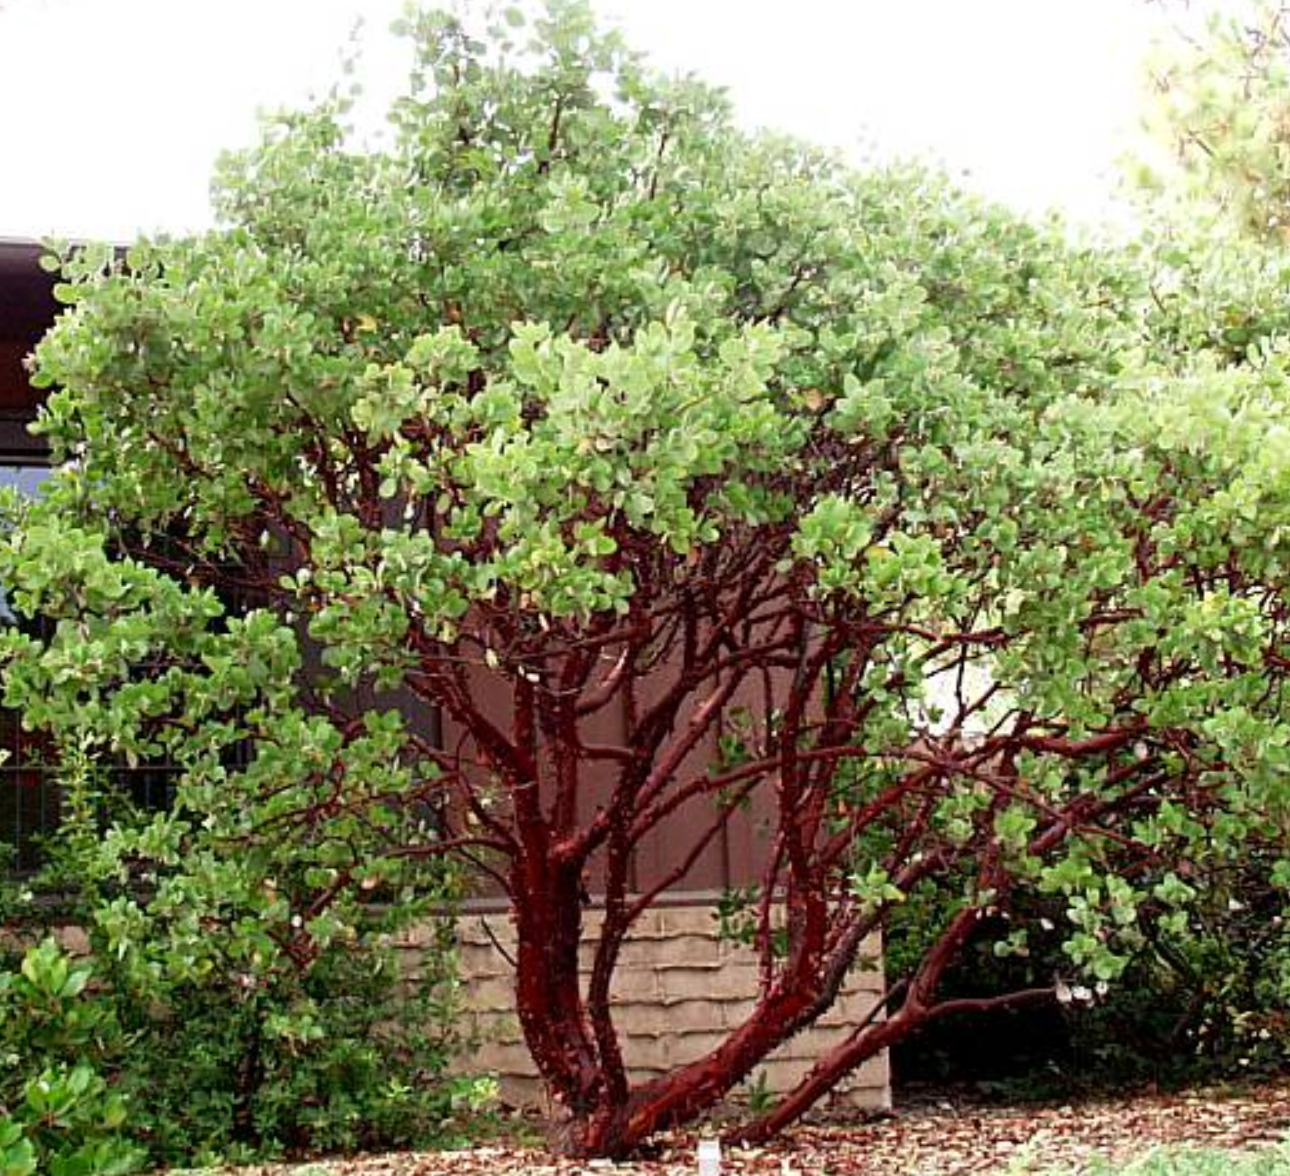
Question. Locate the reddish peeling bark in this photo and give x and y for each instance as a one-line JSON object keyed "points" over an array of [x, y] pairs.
{"points": [[538, 798]]}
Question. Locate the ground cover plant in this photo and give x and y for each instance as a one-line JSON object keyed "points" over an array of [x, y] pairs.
{"points": [[1200, 1162], [576, 395]]}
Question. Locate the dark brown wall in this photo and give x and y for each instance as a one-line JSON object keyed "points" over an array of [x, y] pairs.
{"points": [[736, 856], [27, 310]]}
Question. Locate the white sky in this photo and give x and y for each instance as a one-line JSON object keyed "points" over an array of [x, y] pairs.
{"points": [[113, 110]]}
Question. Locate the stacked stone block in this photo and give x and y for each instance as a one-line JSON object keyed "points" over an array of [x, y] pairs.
{"points": [[677, 991]]}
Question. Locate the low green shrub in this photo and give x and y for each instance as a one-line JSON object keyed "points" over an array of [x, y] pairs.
{"points": [[341, 1057], [58, 1113], [235, 1001], [115, 1059], [1201, 997]]}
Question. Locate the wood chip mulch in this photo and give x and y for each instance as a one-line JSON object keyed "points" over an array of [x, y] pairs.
{"points": [[938, 1139]]}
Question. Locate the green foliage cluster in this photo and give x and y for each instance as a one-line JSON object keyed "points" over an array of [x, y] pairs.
{"points": [[191, 1032], [1197, 1001], [344, 1058], [57, 1112], [1206, 993], [1204, 1000]]}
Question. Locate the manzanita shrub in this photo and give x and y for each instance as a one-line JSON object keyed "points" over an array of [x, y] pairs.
{"points": [[575, 396]]}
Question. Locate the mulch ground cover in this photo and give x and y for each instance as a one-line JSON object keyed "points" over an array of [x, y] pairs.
{"points": [[939, 1138]]}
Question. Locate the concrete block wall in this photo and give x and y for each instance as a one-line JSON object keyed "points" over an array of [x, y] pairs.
{"points": [[677, 991]]}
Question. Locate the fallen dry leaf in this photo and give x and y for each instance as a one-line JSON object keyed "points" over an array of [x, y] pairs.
{"points": [[947, 1138]]}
